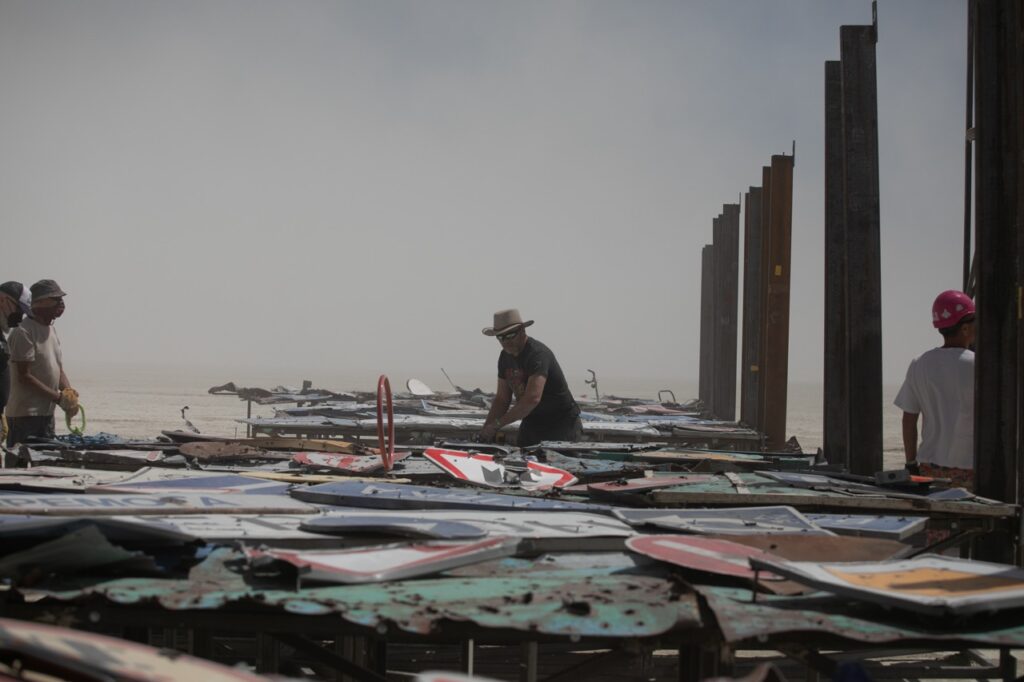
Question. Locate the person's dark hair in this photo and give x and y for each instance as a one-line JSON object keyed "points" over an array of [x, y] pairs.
{"points": [[955, 329]]}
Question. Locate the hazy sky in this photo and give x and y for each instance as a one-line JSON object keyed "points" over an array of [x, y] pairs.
{"points": [[357, 186]]}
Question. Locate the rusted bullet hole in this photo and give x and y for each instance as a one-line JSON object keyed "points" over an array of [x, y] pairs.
{"points": [[577, 608]]}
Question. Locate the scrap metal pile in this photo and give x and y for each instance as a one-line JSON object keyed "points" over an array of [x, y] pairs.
{"points": [[594, 542], [422, 414]]}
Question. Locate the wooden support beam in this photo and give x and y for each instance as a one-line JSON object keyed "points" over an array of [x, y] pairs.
{"points": [[864, 277], [836, 413], [707, 323], [727, 231], [750, 370], [776, 333], [999, 225]]}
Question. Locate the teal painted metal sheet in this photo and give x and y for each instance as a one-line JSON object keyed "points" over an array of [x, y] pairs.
{"points": [[587, 605], [777, 619]]}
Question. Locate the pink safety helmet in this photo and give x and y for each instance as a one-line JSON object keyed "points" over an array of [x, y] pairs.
{"points": [[950, 307]]}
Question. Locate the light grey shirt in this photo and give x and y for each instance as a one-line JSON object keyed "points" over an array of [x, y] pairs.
{"points": [[36, 344]]}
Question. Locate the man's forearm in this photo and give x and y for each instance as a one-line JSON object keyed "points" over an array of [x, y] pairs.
{"points": [[38, 386], [63, 383], [519, 411]]}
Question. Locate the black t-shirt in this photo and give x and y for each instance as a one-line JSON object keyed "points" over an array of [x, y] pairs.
{"points": [[537, 359]]}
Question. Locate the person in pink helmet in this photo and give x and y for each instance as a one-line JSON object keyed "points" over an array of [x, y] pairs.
{"points": [[940, 387]]}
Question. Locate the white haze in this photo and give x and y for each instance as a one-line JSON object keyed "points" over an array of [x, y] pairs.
{"points": [[354, 187]]}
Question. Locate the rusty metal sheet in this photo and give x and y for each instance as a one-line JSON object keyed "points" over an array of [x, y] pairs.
{"points": [[639, 485], [823, 547], [603, 606], [149, 504], [220, 452], [121, 457], [931, 584], [729, 521], [720, 557], [394, 496], [775, 619], [85, 655], [381, 563]]}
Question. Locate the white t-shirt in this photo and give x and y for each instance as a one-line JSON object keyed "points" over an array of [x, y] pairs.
{"points": [[940, 387], [38, 344]]}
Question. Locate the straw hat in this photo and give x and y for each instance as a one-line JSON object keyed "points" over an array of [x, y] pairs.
{"points": [[505, 320]]}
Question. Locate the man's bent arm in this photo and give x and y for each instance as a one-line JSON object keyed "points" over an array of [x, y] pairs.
{"points": [[910, 435], [64, 383], [525, 404], [502, 398], [23, 374]]}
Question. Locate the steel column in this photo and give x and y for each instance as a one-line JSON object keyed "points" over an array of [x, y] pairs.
{"points": [[727, 230], [750, 367], [864, 278], [999, 223], [776, 333], [717, 328], [766, 212], [836, 422], [707, 323]]}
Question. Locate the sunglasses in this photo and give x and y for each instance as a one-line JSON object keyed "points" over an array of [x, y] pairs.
{"points": [[508, 336]]}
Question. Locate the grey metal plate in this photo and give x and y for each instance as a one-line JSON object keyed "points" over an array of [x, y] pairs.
{"points": [[738, 520], [395, 496], [150, 504]]}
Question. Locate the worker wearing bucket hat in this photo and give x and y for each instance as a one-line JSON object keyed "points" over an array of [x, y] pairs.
{"points": [[38, 383], [940, 388], [529, 372]]}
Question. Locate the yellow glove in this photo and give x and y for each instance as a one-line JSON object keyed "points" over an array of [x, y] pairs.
{"points": [[69, 401]]}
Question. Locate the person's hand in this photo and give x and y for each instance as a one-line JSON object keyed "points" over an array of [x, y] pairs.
{"points": [[487, 433], [69, 401]]}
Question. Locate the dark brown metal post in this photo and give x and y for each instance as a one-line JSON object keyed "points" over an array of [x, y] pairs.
{"points": [[720, 256], [776, 356], [727, 269], [968, 144], [999, 224], [864, 277], [836, 412], [707, 323], [750, 369], [766, 212]]}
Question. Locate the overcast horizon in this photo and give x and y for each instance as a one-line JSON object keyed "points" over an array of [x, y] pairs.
{"points": [[359, 186]]}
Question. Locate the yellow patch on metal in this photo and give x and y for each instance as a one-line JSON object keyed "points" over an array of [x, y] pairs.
{"points": [[929, 582]]}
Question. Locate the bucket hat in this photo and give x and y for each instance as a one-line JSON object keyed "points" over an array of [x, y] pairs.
{"points": [[46, 288]]}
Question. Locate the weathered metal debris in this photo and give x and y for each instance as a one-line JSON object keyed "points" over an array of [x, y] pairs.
{"points": [[230, 525]]}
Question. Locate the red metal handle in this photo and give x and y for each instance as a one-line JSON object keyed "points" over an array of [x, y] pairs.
{"points": [[387, 451]]}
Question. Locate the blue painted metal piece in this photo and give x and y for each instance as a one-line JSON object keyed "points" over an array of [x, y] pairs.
{"points": [[397, 496], [871, 525]]}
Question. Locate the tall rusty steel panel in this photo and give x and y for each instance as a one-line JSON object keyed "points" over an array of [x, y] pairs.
{"points": [[836, 411], [864, 276], [766, 212], [750, 369], [999, 230], [727, 247], [717, 330], [707, 322], [776, 328]]}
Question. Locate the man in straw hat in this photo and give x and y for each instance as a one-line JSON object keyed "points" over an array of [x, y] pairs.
{"points": [[528, 370], [38, 383]]}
